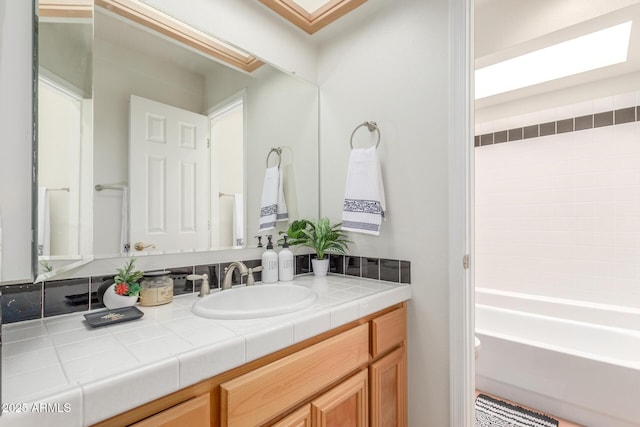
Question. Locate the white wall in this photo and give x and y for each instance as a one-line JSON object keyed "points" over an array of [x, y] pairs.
{"points": [[393, 69], [559, 215], [282, 111], [15, 145], [64, 49]]}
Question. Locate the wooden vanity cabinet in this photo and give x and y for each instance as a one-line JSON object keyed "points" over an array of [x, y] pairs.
{"points": [[351, 376]]}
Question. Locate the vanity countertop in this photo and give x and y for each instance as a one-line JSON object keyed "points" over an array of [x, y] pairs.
{"points": [[63, 371]]}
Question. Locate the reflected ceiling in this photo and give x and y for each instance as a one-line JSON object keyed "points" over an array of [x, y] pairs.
{"points": [[155, 20]]}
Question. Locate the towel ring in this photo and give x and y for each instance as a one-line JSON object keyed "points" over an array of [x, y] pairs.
{"points": [[372, 126], [278, 151]]}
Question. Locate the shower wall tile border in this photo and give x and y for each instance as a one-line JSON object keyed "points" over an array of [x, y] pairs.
{"points": [[29, 301], [573, 124]]}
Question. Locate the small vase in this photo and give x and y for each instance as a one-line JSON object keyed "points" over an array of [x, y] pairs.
{"points": [[112, 300], [320, 266]]}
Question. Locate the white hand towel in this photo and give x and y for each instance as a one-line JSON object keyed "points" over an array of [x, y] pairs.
{"points": [[364, 203], [273, 207], [44, 222], [238, 219]]}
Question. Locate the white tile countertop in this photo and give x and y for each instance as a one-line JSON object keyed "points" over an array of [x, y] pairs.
{"points": [[60, 371]]}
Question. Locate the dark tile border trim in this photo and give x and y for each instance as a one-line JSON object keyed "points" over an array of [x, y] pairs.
{"points": [[590, 121], [28, 301]]}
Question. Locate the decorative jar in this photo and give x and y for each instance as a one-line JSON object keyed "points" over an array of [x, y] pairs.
{"points": [[157, 288]]}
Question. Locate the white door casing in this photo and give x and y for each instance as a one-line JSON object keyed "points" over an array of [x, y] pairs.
{"points": [[168, 176]]}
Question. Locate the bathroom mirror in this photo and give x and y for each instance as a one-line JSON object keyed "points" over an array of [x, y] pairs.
{"points": [[245, 113]]}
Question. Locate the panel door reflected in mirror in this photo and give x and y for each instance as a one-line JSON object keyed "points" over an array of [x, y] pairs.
{"points": [[169, 170]]}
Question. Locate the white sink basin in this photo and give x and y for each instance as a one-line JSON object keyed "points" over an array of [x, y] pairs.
{"points": [[254, 301]]}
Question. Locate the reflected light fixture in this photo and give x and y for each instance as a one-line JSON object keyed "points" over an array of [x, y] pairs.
{"points": [[589, 52]]}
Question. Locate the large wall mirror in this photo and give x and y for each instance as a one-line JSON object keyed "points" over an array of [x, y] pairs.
{"points": [[154, 137]]}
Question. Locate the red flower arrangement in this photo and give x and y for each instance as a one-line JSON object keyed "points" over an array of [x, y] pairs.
{"points": [[122, 289], [127, 280]]}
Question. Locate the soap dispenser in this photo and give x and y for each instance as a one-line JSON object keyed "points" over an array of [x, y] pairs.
{"points": [[285, 262], [269, 264]]}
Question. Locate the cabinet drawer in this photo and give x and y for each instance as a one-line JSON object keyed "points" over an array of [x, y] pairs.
{"points": [[194, 412], [257, 396], [388, 331]]}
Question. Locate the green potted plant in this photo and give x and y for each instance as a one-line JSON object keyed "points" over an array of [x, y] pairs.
{"points": [[125, 289], [321, 236]]}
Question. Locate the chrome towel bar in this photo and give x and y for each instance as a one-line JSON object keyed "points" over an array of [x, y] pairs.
{"points": [[100, 187]]}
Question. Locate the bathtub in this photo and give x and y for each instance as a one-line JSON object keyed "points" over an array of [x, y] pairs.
{"points": [[535, 352]]}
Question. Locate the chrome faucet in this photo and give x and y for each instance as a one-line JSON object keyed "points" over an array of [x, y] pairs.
{"points": [[228, 273]]}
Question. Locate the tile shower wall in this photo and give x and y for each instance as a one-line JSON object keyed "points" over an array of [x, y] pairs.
{"points": [[33, 301], [558, 213]]}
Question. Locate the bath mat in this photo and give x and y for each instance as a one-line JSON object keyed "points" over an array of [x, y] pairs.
{"points": [[492, 412]]}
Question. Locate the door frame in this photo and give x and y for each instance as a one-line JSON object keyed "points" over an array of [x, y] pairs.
{"points": [[461, 244]]}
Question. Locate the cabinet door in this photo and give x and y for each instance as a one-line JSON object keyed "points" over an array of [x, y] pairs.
{"points": [[300, 418], [388, 381], [345, 405], [264, 393], [195, 412]]}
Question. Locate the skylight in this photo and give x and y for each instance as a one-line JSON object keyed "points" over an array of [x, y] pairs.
{"points": [[589, 52]]}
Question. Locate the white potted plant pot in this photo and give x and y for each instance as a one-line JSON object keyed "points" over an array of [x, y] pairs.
{"points": [[320, 266], [112, 300]]}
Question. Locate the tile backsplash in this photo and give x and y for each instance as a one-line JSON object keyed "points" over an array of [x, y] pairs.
{"points": [[558, 215], [33, 301]]}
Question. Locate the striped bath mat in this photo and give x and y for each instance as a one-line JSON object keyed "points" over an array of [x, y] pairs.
{"points": [[492, 412]]}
